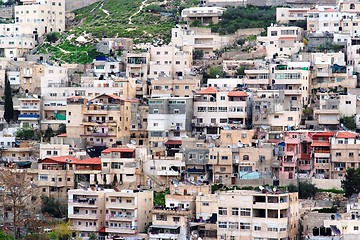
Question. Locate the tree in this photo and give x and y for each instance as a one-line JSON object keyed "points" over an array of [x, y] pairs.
{"points": [[216, 72], [19, 196], [195, 23], [306, 190], [61, 129], [49, 133], [198, 54], [351, 182], [61, 232], [240, 71], [9, 106], [53, 37], [349, 122], [54, 207], [25, 133], [92, 236]]}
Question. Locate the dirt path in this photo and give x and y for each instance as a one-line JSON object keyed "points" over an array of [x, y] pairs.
{"points": [[143, 4]]}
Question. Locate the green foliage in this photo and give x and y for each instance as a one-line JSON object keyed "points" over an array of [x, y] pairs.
{"points": [[61, 232], [349, 122], [292, 188], [215, 72], [92, 236], [351, 183], [308, 113], [240, 41], [306, 190], [329, 46], [61, 129], [68, 52], [332, 190], [4, 236], [159, 197], [25, 133], [48, 133], [53, 37], [198, 54], [245, 17], [54, 207], [240, 71], [195, 23], [327, 210], [9, 106]]}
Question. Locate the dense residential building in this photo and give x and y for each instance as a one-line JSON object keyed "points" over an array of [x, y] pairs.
{"points": [[250, 214], [205, 15], [124, 213]]}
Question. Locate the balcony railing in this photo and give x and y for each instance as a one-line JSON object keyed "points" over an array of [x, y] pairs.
{"points": [[29, 116]]}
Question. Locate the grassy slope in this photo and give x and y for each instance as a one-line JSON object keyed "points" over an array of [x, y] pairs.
{"points": [[145, 27]]}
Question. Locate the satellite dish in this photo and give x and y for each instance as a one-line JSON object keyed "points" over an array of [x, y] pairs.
{"points": [[133, 142], [261, 188]]}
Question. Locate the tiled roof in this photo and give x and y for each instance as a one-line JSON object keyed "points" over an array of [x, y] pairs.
{"points": [[346, 135], [237, 94], [173, 142], [209, 90]]}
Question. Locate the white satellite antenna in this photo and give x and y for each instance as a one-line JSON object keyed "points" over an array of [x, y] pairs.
{"points": [[261, 188]]}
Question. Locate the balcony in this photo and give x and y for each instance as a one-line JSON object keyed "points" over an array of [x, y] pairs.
{"points": [[83, 216], [120, 230], [121, 218], [172, 211], [288, 164], [29, 108], [83, 202], [168, 173], [292, 92]]}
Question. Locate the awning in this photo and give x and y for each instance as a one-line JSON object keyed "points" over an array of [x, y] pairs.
{"points": [[102, 230], [165, 226], [237, 94], [173, 142], [320, 144]]}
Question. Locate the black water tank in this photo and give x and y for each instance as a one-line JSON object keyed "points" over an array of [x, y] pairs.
{"points": [[322, 231], [333, 217], [316, 231], [328, 231]]}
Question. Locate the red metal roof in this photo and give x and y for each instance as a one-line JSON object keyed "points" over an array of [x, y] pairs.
{"points": [[173, 142], [209, 90], [237, 94], [110, 150], [323, 134], [346, 135], [316, 143], [72, 160]]}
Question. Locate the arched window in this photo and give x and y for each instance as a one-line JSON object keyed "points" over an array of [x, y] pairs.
{"points": [[246, 157], [352, 6]]}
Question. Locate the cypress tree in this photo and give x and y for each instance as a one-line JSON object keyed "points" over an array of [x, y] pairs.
{"points": [[9, 107]]}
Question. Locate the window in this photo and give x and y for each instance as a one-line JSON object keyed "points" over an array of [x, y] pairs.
{"points": [[290, 118], [234, 225], [43, 177], [176, 219], [356, 228], [224, 158], [222, 211], [222, 224], [222, 98], [245, 226], [205, 204], [235, 211], [104, 164], [246, 157], [161, 217], [347, 102], [338, 154], [257, 228], [245, 212], [351, 154], [186, 87]]}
